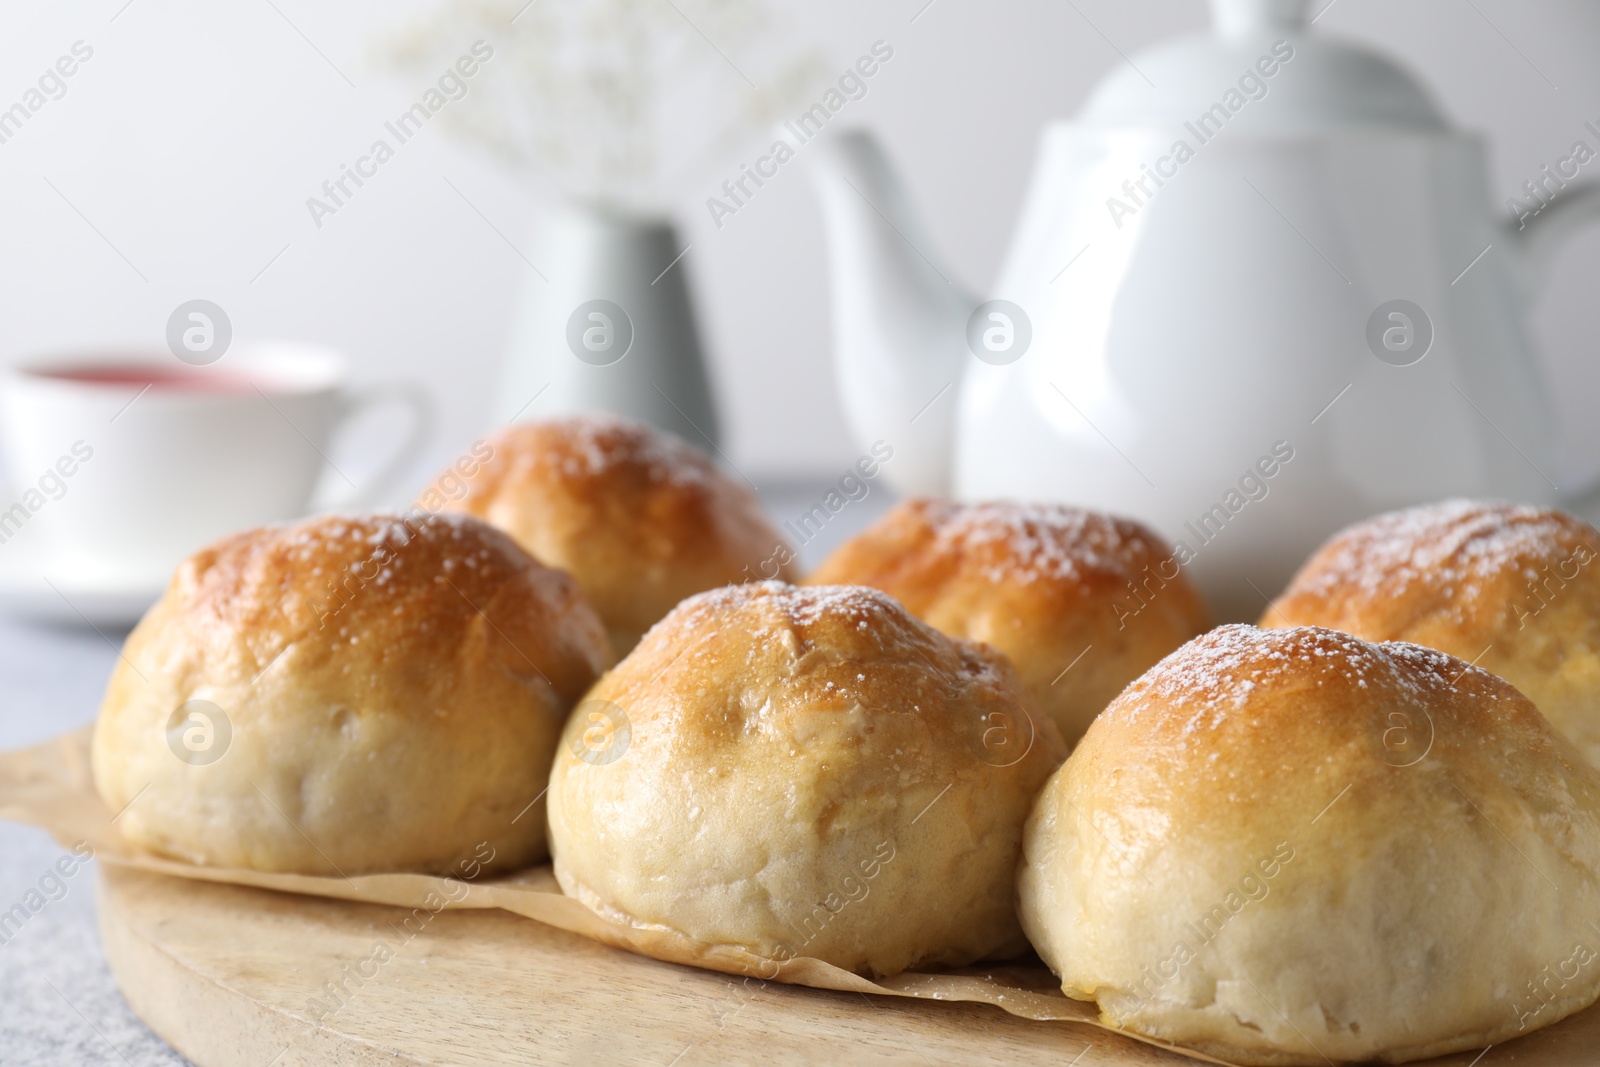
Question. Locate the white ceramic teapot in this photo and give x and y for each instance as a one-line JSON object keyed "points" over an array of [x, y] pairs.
{"points": [[1259, 289]]}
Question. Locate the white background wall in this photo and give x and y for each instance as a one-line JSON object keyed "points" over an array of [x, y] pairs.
{"points": [[193, 137]]}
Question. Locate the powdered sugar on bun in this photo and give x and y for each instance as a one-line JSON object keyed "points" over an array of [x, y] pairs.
{"points": [[1222, 672], [639, 517], [1453, 554], [1512, 588], [1082, 602]]}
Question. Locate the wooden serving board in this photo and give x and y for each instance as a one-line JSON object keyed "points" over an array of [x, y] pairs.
{"points": [[235, 977]]}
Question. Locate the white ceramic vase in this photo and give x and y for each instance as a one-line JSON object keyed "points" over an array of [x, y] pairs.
{"points": [[607, 324]]}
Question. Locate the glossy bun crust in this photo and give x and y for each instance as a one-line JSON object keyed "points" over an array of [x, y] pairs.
{"points": [[804, 772], [383, 694], [1514, 589], [1052, 587], [637, 516], [1294, 847]]}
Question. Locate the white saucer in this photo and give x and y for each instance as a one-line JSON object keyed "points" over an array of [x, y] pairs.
{"points": [[31, 589]]}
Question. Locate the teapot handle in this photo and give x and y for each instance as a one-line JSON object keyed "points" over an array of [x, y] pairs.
{"points": [[1540, 237]]}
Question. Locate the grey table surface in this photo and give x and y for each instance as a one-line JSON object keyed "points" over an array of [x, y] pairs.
{"points": [[58, 1002]]}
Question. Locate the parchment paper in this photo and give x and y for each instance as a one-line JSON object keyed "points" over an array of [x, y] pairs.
{"points": [[50, 787]]}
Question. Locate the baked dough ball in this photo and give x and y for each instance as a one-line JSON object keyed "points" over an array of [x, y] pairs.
{"points": [[1294, 847], [1083, 603], [1514, 589], [640, 518], [804, 772], [348, 694]]}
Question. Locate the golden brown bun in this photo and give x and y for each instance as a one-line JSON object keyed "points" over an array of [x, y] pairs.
{"points": [[638, 517], [1293, 847], [1043, 583], [804, 772], [1513, 589], [390, 692]]}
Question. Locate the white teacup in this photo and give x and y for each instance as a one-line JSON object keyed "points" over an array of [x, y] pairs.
{"points": [[122, 465]]}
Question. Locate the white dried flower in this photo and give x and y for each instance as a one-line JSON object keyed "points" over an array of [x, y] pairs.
{"points": [[611, 101]]}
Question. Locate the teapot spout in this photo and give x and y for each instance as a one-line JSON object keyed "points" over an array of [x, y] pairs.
{"points": [[899, 321]]}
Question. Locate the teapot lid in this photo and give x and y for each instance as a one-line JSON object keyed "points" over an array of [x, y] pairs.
{"points": [[1315, 83]]}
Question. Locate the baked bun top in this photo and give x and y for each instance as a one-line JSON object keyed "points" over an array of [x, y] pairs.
{"points": [[640, 518], [1279, 846], [348, 694], [1044, 583], [391, 596], [807, 772], [1509, 587]]}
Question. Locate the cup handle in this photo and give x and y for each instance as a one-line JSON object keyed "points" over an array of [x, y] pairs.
{"points": [[421, 409]]}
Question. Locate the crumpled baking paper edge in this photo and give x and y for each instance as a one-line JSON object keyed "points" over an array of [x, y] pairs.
{"points": [[50, 787]]}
